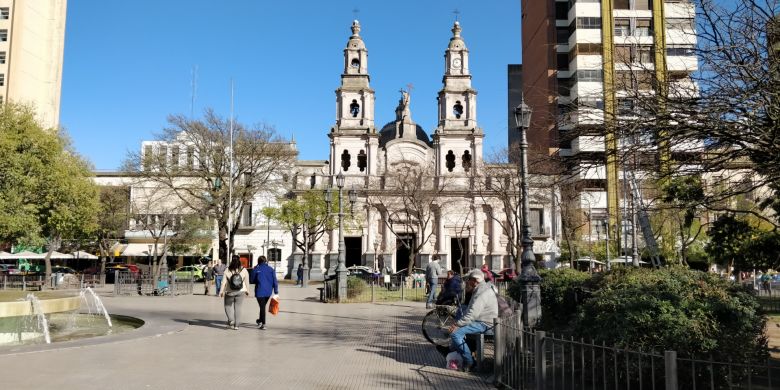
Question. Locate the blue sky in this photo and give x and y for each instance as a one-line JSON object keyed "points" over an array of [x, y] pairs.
{"points": [[128, 64]]}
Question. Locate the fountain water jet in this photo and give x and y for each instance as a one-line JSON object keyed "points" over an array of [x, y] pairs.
{"points": [[100, 308], [37, 311]]}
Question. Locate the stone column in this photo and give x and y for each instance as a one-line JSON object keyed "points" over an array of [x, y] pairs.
{"points": [[479, 227], [370, 236], [441, 239]]}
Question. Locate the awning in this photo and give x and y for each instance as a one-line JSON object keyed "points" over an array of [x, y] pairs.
{"points": [[142, 250], [23, 255], [83, 255], [60, 255]]}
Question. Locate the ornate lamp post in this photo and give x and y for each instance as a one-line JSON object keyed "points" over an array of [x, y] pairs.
{"points": [[341, 269], [528, 277], [306, 217]]}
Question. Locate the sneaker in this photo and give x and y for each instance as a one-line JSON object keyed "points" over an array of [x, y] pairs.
{"points": [[468, 367], [230, 325], [259, 326], [262, 326]]}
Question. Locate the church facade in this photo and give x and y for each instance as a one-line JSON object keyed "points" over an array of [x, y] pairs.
{"points": [[418, 193]]}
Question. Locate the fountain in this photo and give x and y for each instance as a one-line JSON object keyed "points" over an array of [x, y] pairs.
{"points": [[49, 317]]}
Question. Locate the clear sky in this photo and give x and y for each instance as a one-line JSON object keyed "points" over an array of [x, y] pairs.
{"points": [[128, 64]]}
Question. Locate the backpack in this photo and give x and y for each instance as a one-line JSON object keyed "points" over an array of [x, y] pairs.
{"points": [[504, 308], [236, 282]]}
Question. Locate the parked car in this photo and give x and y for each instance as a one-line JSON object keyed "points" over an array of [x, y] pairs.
{"points": [[4, 269], [111, 268], [62, 269], [12, 270], [187, 272]]}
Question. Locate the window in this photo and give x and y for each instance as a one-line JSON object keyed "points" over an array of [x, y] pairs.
{"points": [[4, 13], [2, 57], [147, 160], [625, 106], [622, 27], [623, 54], [246, 215], [355, 63], [590, 102], [536, 220], [621, 4], [362, 160], [589, 75], [162, 156], [345, 160], [642, 28], [642, 4], [563, 61], [562, 36], [312, 181], [274, 254], [564, 86], [247, 179], [450, 157], [561, 11], [3, 35], [686, 50], [671, 24], [645, 54], [175, 156], [457, 110], [190, 157], [589, 23], [2, 79], [466, 161], [354, 108]]}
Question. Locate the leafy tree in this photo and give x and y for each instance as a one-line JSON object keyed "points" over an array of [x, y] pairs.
{"points": [[46, 191], [728, 235], [113, 220], [198, 173]]}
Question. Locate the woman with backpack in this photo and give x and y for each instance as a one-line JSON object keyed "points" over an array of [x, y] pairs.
{"points": [[234, 289]]}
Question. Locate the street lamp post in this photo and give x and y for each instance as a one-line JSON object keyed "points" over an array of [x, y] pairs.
{"points": [[341, 269], [529, 278], [305, 280]]}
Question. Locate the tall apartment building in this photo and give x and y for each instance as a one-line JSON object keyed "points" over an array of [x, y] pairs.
{"points": [[32, 42], [583, 60]]}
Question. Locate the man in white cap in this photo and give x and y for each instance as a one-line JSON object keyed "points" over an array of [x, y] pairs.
{"points": [[478, 318]]}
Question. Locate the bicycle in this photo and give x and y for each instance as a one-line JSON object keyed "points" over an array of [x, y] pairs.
{"points": [[436, 324]]}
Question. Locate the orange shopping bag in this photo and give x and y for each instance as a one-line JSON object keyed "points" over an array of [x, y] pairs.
{"points": [[273, 307]]}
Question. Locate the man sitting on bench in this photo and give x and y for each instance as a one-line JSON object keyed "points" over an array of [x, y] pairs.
{"points": [[478, 318]]}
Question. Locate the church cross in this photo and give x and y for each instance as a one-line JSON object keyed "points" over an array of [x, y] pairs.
{"points": [[355, 12], [457, 14]]}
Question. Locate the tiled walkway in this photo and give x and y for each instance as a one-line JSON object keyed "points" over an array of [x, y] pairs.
{"points": [[185, 345]]}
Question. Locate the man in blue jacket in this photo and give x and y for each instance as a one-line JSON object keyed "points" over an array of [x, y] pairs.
{"points": [[264, 279]]}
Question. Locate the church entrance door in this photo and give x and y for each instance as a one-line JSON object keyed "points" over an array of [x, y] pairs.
{"points": [[402, 251], [353, 251], [460, 254]]}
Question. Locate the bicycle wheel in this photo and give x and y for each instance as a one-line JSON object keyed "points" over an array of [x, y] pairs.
{"points": [[436, 325]]}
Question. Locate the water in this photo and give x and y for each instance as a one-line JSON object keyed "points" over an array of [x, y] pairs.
{"points": [[43, 323], [91, 320], [97, 304]]}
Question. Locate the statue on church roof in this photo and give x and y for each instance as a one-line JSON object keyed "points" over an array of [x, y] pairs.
{"points": [[402, 111]]}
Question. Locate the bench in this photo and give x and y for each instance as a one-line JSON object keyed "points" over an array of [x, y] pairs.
{"points": [[36, 284], [479, 341]]}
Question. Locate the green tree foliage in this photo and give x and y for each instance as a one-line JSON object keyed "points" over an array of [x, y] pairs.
{"points": [[691, 312], [46, 191], [113, 217], [728, 235]]}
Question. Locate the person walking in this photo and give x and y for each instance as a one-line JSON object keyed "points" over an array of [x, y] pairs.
{"points": [[234, 288], [219, 274], [432, 272], [264, 279], [208, 276], [299, 274]]}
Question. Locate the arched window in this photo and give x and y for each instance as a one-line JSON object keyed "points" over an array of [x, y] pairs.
{"points": [[450, 157], [345, 163], [466, 161], [457, 109], [354, 108], [362, 160], [355, 63]]}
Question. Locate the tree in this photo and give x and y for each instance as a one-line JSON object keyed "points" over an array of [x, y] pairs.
{"points": [[112, 220], [410, 201], [727, 237], [685, 195], [46, 193], [291, 214], [198, 171]]}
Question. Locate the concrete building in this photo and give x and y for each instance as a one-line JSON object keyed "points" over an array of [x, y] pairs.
{"points": [[32, 41], [514, 77], [582, 63]]}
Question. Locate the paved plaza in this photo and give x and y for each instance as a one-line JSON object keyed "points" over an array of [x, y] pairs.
{"points": [[184, 345]]}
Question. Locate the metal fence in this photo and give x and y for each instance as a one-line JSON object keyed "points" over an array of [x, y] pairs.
{"points": [[528, 359], [368, 289], [38, 281], [128, 283]]}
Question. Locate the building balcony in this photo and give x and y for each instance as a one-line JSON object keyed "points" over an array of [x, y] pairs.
{"points": [[587, 144]]}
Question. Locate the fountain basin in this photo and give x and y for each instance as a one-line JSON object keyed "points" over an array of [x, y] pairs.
{"points": [[48, 306]]}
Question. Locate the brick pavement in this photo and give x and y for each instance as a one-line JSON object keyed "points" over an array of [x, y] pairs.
{"points": [[185, 345]]}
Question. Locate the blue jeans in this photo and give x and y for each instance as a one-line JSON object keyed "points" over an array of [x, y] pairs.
{"points": [[431, 294], [219, 282], [458, 340]]}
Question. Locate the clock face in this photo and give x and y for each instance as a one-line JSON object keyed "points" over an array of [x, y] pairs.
{"points": [[456, 63]]}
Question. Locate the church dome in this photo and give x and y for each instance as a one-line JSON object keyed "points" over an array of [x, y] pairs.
{"points": [[387, 134]]}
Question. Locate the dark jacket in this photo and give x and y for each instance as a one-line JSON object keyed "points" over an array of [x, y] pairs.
{"points": [[264, 279], [451, 291], [300, 273]]}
